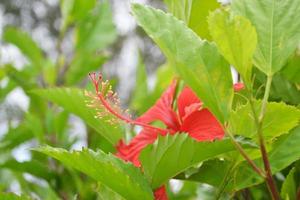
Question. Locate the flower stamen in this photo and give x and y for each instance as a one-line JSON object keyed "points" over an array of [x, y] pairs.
{"points": [[110, 104]]}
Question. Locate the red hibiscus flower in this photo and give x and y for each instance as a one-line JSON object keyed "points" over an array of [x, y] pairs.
{"points": [[189, 117]]}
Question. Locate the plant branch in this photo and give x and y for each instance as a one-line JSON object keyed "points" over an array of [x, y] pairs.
{"points": [[259, 123], [298, 194]]}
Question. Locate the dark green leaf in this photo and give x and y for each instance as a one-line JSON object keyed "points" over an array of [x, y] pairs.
{"points": [[289, 187]]}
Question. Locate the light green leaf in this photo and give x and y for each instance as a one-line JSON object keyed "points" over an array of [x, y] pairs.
{"points": [[96, 30], [289, 187], [123, 178], [171, 155], [194, 13], [181, 9], [198, 62], [279, 119], [25, 43], [277, 27], [74, 101], [198, 18], [105, 193], [236, 39]]}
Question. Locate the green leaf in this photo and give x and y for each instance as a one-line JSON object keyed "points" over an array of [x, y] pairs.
{"points": [[181, 9], [211, 172], [82, 65], [15, 137], [74, 101], [25, 43], [96, 30], [171, 155], [12, 196], [140, 93], [194, 13], [66, 7], [236, 39], [37, 129], [145, 100], [75, 10], [284, 152], [289, 187], [292, 70], [277, 27], [279, 119], [198, 62], [122, 178], [281, 88], [105, 193], [33, 167], [198, 18], [284, 90]]}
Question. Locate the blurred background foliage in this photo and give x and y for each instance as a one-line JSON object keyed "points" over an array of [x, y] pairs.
{"points": [[50, 43], [46, 44]]}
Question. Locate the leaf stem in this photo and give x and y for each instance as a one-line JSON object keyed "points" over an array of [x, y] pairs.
{"points": [[244, 154], [259, 122]]}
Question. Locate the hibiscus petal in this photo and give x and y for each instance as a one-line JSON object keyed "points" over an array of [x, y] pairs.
{"points": [[187, 98], [202, 126], [162, 109], [132, 151], [160, 193]]}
